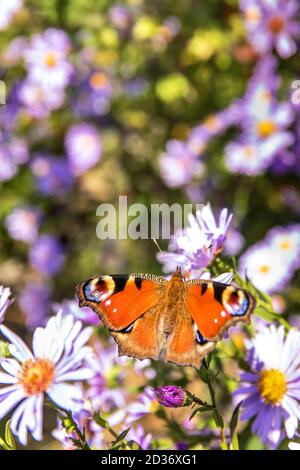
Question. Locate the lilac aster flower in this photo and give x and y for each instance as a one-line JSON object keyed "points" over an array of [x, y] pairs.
{"points": [[121, 17], [145, 404], [139, 435], [47, 255], [47, 58], [94, 95], [38, 100], [194, 247], [83, 147], [171, 396], [5, 301], [12, 154], [286, 241], [52, 174], [106, 390], [178, 165], [265, 267], [35, 302], [272, 23], [23, 224], [84, 314], [8, 10], [271, 390], [58, 357]]}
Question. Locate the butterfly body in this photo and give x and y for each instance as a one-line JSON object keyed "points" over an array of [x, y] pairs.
{"points": [[177, 321]]}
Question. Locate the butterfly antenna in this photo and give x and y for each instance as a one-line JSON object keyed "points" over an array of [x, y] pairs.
{"points": [[156, 243]]}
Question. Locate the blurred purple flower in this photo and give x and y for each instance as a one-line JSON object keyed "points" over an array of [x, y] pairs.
{"points": [[5, 301], [7, 12], [272, 24], [52, 174], [35, 302], [106, 390], [47, 255], [178, 165], [234, 242], [195, 247], [139, 435], [59, 356], [23, 224], [145, 404], [47, 58], [121, 17], [83, 147], [12, 154], [271, 391], [171, 396], [93, 95], [14, 51], [84, 314], [38, 100]]}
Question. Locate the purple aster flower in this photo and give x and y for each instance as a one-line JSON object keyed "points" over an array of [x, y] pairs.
{"points": [[94, 95], [272, 24], [121, 17], [47, 255], [145, 404], [14, 51], [38, 100], [266, 267], [106, 389], [52, 174], [234, 242], [35, 302], [59, 356], [5, 301], [12, 154], [8, 11], [171, 396], [271, 390], [286, 241], [47, 58], [84, 314], [139, 435], [195, 247], [83, 147], [23, 224], [178, 165]]}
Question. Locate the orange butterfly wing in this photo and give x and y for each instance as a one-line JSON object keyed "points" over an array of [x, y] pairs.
{"points": [[120, 299], [215, 307]]}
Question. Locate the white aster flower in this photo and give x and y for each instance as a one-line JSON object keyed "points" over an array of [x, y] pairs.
{"points": [[5, 301], [58, 357]]}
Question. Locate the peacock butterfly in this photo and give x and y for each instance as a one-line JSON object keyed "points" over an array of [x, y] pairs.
{"points": [[176, 321]]}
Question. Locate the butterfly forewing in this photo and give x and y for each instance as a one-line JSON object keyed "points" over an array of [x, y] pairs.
{"points": [[120, 299]]}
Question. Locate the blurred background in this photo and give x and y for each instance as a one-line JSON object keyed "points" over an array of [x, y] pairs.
{"points": [[162, 101]]}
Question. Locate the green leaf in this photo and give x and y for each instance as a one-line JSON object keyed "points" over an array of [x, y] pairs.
{"points": [[4, 445], [118, 442], [10, 440], [100, 421]]}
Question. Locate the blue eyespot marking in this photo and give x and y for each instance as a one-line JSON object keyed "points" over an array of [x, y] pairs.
{"points": [[91, 294], [200, 339], [239, 308]]}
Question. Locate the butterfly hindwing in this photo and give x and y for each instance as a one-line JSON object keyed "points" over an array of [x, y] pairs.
{"points": [[120, 299], [215, 307]]}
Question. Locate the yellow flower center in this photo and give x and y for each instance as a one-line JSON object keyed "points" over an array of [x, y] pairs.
{"points": [[264, 269], [50, 59], [98, 80], [266, 128], [36, 376], [272, 386], [212, 123], [154, 406], [285, 245], [252, 14], [276, 24]]}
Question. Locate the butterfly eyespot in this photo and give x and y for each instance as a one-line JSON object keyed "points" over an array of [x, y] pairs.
{"points": [[98, 290], [200, 339], [235, 302]]}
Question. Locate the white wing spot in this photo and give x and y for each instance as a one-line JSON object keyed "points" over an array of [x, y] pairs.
{"points": [[114, 310], [223, 314], [107, 303], [215, 320]]}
